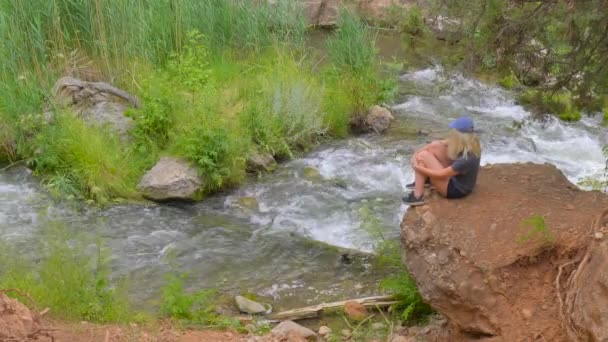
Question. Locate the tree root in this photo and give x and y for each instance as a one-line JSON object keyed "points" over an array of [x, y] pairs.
{"points": [[567, 293]]}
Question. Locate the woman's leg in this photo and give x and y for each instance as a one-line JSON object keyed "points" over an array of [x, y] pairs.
{"points": [[429, 160], [439, 149]]}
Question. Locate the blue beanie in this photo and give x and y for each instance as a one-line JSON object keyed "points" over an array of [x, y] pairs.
{"points": [[463, 124]]}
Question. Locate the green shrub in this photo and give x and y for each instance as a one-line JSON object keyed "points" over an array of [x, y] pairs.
{"points": [[351, 47], [509, 81], [69, 277], [81, 160]]}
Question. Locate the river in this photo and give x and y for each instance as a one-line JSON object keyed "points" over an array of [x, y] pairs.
{"points": [[283, 249]]}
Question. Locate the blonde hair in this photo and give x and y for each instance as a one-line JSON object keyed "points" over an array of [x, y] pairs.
{"points": [[460, 144]]}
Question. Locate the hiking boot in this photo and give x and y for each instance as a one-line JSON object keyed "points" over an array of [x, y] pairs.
{"points": [[412, 200], [411, 186]]}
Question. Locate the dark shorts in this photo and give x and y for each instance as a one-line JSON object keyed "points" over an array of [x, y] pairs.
{"points": [[453, 192]]}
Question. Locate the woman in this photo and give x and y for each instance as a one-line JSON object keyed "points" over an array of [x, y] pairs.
{"points": [[450, 165]]}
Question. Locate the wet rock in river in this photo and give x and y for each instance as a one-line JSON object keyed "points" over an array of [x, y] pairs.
{"points": [[249, 203], [311, 174], [261, 162], [171, 179], [249, 306]]}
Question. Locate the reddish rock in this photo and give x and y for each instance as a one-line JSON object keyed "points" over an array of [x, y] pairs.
{"points": [[470, 263], [355, 311]]}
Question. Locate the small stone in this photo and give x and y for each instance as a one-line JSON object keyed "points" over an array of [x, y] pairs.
{"points": [[545, 307], [355, 311], [311, 174], [287, 328], [598, 235], [527, 313], [463, 253], [324, 330], [378, 326], [249, 306], [346, 333], [248, 202], [425, 331]]}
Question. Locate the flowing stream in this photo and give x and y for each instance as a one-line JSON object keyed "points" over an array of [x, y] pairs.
{"points": [[284, 247]]}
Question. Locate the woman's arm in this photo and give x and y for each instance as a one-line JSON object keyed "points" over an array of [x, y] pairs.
{"points": [[441, 173]]}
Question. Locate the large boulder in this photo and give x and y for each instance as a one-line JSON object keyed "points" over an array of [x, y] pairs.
{"points": [[97, 103], [171, 179], [321, 13], [495, 261]]}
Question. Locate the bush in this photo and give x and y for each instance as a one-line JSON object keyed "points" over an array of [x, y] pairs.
{"points": [[81, 160], [69, 277]]}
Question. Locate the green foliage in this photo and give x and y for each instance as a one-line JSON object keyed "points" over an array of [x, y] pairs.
{"points": [[351, 46], [197, 308], [218, 151], [190, 67], [537, 229], [81, 160], [558, 103], [69, 277], [509, 81]]}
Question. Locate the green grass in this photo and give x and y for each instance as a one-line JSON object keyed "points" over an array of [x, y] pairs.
{"points": [[218, 80], [71, 277]]}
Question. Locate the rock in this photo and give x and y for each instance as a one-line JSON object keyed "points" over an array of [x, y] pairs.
{"points": [[171, 179], [403, 339], [249, 306], [324, 330], [445, 28], [355, 311], [378, 326], [311, 174], [379, 9], [486, 290], [16, 320], [378, 119], [249, 203], [598, 236], [321, 13], [261, 162], [96, 103], [346, 333], [289, 327]]}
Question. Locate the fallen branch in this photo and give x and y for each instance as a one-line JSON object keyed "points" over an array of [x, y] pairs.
{"points": [[316, 310]]}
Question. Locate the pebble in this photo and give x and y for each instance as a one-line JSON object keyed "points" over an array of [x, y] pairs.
{"points": [[527, 313], [378, 326], [323, 330], [346, 333], [598, 235], [545, 307]]}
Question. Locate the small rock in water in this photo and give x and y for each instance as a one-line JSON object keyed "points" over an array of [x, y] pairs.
{"points": [[355, 311], [378, 326], [248, 202], [249, 306], [311, 174], [346, 333], [323, 330], [598, 235], [287, 328]]}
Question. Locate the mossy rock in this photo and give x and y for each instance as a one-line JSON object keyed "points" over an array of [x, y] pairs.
{"points": [[248, 202], [312, 174]]}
